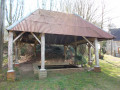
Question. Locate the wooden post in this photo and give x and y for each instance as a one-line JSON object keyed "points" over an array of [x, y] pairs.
{"points": [[89, 55], [111, 47], [115, 48], [10, 72], [16, 55], [65, 49], [43, 72], [43, 52], [97, 67], [75, 48]]}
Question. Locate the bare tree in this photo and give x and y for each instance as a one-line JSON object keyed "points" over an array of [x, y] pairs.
{"points": [[51, 4], [2, 6], [86, 9], [14, 10], [38, 6], [102, 15], [44, 4]]}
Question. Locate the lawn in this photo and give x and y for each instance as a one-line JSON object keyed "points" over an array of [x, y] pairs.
{"points": [[108, 79]]}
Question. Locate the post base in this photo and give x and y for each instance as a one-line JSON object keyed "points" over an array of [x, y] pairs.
{"points": [[42, 74], [97, 69], [11, 75], [90, 63], [16, 64]]}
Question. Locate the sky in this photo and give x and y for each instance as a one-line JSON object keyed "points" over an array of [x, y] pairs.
{"points": [[112, 9]]}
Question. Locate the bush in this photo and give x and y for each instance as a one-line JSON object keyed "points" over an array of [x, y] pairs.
{"points": [[23, 51], [80, 59], [70, 53], [81, 49]]}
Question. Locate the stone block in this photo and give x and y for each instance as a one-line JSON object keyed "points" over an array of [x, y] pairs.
{"points": [[42, 74], [11, 75], [16, 64], [90, 63], [97, 69]]}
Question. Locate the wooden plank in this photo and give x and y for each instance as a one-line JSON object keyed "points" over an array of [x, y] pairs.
{"points": [[36, 37], [10, 51], [18, 36]]}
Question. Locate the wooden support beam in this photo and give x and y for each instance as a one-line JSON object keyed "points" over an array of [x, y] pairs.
{"points": [[97, 67], [36, 37], [65, 50], [82, 41], [89, 55], [88, 41], [18, 36], [43, 52], [10, 51], [75, 46], [10, 72], [96, 52], [89, 52]]}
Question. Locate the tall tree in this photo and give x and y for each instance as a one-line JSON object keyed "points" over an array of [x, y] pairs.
{"points": [[14, 10], [2, 7], [51, 4], [102, 14], [44, 4], [85, 8]]}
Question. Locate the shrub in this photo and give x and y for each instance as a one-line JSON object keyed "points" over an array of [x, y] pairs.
{"points": [[80, 59]]}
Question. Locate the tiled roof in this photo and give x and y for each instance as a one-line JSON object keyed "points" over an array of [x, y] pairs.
{"points": [[116, 33], [51, 22]]}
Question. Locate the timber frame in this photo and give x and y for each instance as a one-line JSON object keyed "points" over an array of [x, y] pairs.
{"points": [[59, 28], [10, 72]]}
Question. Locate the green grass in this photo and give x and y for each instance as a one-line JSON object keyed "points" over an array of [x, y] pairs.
{"points": [[108, 79]]}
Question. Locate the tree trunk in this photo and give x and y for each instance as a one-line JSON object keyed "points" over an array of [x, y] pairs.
{"points": [[2, 7]]}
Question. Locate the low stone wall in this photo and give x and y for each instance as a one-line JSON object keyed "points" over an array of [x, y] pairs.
{"points": [[43, 74]]}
